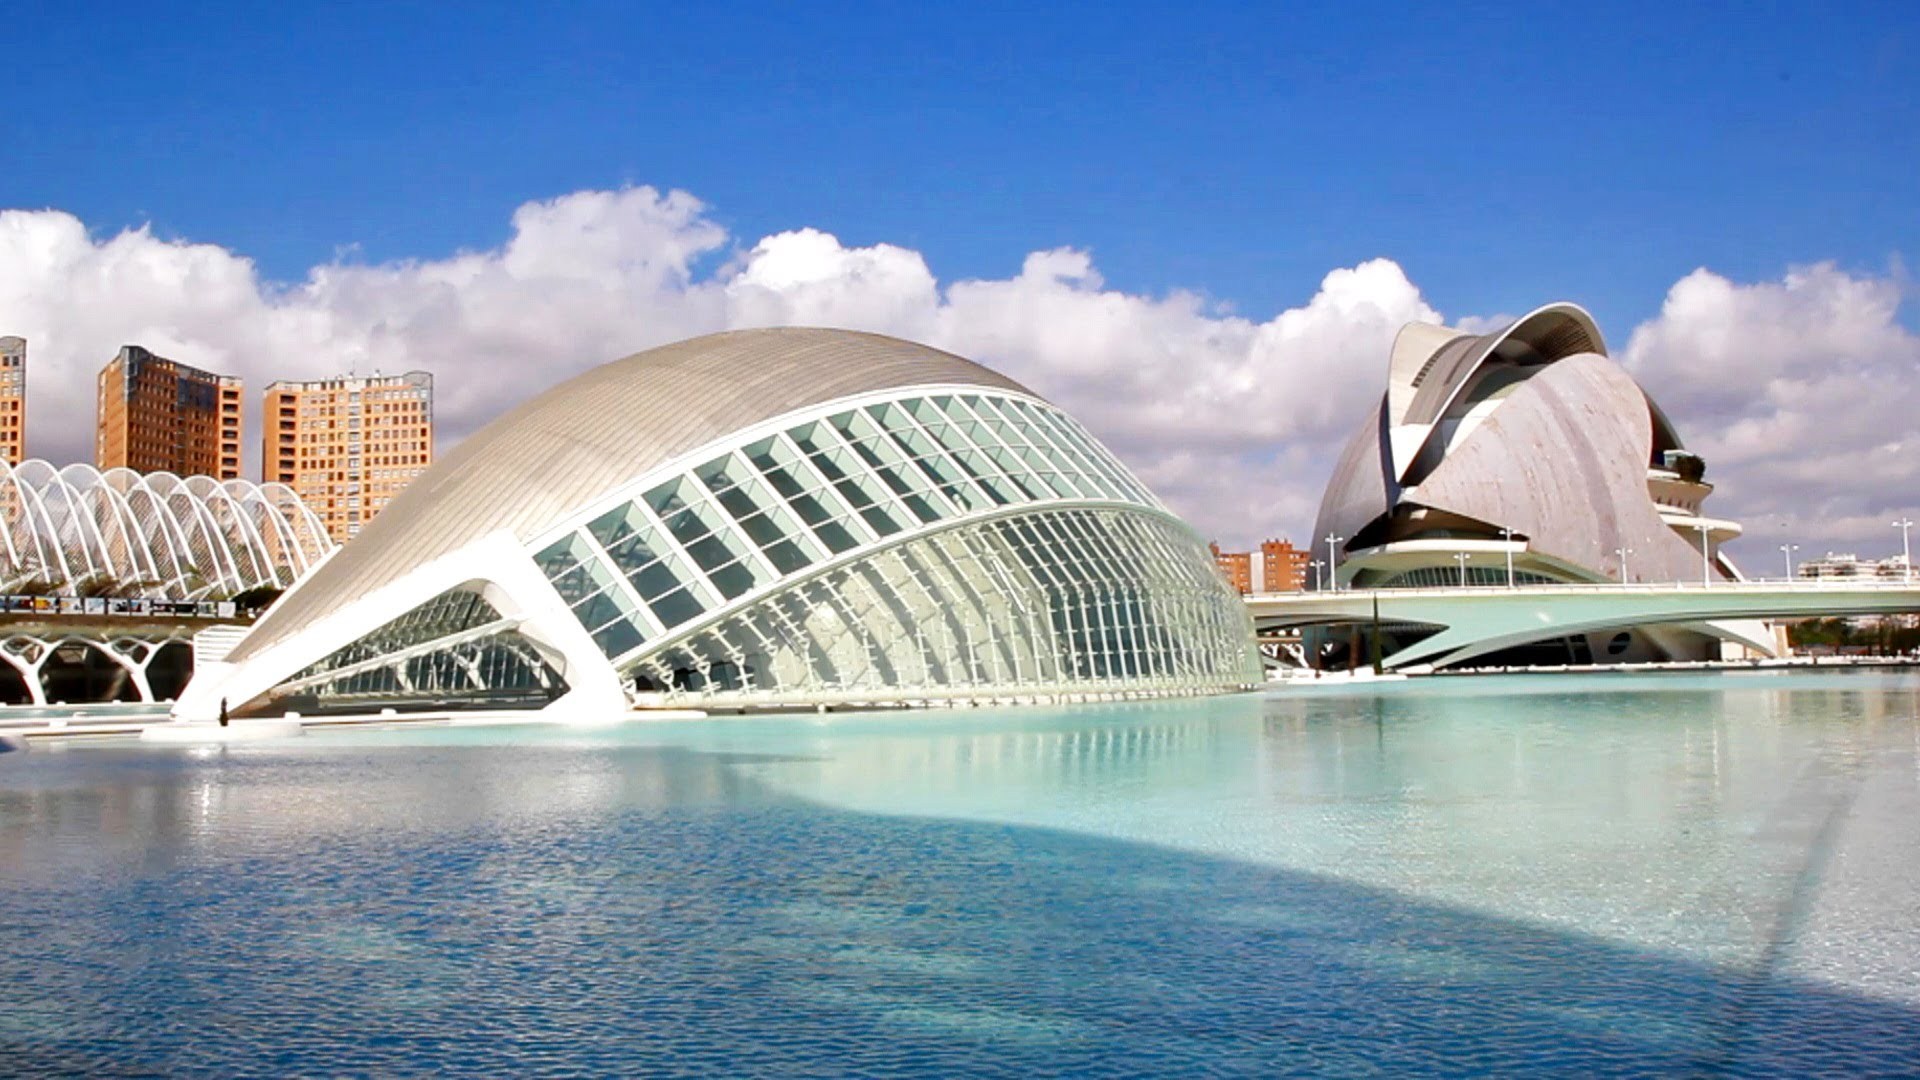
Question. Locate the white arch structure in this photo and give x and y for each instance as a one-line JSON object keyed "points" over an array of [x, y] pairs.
{"points": [[131, 657], [154, 535]]}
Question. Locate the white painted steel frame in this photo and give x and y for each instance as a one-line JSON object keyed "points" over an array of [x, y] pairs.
{"points": [[28, 655], [155, 535]]}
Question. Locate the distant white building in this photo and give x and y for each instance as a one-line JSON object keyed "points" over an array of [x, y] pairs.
{"points": [[1847, 567]]}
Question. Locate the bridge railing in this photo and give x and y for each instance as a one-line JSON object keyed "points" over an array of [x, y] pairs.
{"points": [[1770, 585]]}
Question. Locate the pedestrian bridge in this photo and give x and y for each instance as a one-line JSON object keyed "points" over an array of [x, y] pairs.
{"points": [[1477, 620]]}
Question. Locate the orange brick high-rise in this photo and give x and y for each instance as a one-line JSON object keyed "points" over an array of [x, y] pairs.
{"points": [[157, 414], [1236, 567], [348, 445], [1283, 567], [13, 399]]}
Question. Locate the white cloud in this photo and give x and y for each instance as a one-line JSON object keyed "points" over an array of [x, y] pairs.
{"points": [[1234, 421], [1802, 394]]}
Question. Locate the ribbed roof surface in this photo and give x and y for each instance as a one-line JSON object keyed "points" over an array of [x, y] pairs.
{"points": [[601, 430]]}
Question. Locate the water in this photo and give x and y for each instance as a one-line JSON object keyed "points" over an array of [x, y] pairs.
{"points": [[1707, 875]]}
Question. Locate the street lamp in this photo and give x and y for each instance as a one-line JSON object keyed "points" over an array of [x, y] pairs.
{"points": [[1461, 558], [1332, 559], [1623, 552], [1706, 557], [1906, 549], [1317, 564], [1507, 535], [1788, 550]]}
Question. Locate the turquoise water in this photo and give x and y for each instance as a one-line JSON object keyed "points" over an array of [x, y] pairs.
{"points": [[1608, 875]]}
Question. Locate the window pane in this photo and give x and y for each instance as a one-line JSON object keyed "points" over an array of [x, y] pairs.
{"points": [[676, 607], [617, 638], [787, 557], [732, 580], [836, 536], [652, 581]]}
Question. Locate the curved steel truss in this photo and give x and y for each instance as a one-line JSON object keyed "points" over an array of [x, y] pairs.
{"points": [[122, 533]]}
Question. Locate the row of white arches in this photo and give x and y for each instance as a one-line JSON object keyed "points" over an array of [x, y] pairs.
{"points": [[122, 533]]}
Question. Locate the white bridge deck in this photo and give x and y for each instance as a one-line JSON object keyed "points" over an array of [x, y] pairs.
{"points": [[1476, 620]]}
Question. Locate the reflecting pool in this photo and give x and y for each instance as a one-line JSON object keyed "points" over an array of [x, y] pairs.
{"points": [[1607, 875]]}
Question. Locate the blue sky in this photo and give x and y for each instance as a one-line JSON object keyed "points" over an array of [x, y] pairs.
{"points": [[1503, 155], [1150, 214]]}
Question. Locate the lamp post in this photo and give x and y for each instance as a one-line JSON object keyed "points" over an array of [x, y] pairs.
{"points": [[1623, 552], [1787, 550], [1317, 564], [1333, 559], [1461, 558], [1706, 557], [1507, 535], [1906, 549]]}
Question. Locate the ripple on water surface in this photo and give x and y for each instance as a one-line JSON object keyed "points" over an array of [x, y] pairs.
{"points": [[1574, 876]]}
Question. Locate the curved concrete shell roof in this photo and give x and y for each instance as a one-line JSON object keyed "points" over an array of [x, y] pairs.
{"points": [[1420, 393], [600, 430], [1358, 492], [1563, 461]]}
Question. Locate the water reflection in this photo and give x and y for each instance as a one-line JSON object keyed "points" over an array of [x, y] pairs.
{"points": [[1578, 876]]}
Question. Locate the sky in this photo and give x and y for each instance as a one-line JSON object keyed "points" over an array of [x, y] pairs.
{"points": [[1197, 227]]}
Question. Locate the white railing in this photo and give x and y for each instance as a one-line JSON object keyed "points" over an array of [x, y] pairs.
{"points": [[1749, 585]]}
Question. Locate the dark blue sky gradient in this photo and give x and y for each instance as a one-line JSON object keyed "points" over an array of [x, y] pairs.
{"points": [[1505, 156]]}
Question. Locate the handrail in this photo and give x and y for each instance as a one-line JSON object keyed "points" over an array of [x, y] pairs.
{"points": [[1747, 585]]}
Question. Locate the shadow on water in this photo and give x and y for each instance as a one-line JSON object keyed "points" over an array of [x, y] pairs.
{"points": [[649, 910]]}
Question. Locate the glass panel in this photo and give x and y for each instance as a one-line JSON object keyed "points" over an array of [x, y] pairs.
{"points": [[562, 554], [836, 536], [676, 607], [583, 580], [601, 608], [653, 581], [733, 581], [617, 638], [788, 557], [719, 474], [638, 549], [676, 502], [617, 524]]}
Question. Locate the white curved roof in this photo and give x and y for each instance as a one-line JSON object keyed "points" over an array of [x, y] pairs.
{"points": [[588, 436], [1420, 391], [152, 535]]}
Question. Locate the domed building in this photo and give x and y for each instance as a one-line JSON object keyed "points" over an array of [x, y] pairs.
{"points": [[1526, 456], [758, 519]]}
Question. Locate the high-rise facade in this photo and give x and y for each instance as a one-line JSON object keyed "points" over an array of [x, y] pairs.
{"points": [[347, 446], [159, 415], [13, 399], [1283, 567], [1235, 566]]}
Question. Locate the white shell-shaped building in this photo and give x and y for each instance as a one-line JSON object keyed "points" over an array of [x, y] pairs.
{"points": [[77, 530], [1525, 456], [766, 518]]}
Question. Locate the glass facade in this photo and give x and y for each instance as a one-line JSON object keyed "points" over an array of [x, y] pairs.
{"points": [[1046, 602], [454, 650], [783, 503], [896, 548]]}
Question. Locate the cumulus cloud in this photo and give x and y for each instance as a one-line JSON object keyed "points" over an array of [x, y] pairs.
{"points": [[1802, 394], [1234, 420]]}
